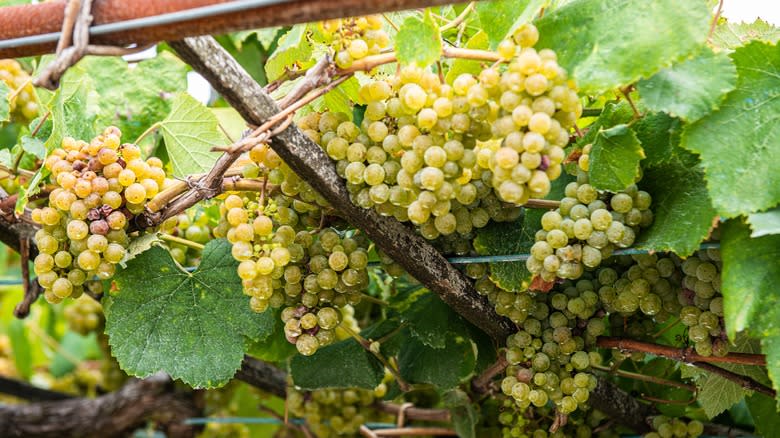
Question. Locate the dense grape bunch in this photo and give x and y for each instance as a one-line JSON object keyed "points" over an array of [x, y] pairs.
{"points": [[354, 38], [587, 227], [702, 302], [100, 187], [335, 412], [665, 427], [24, 104], [84, 315], [450, 157]]}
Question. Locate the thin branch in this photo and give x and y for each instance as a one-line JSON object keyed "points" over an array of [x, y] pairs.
{"points": [[181, 241], [715, 20], [645, 378], [370, 62], [686, 355], [413, 413], [459, 19], [481, 383], [25, 391], [415, 431]]}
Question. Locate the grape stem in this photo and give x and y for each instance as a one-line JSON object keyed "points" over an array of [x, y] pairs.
{"points": [[408, 431], [481, 383], [459, 19], [715, 20], [148, 131], [644, 378], [370, 62], [182, 241], [686, 355]]}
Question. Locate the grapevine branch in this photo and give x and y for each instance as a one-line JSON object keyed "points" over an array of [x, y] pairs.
{"points": [[113, 414], [311, 163], [743, 381], [686, 355], [25, 391]]}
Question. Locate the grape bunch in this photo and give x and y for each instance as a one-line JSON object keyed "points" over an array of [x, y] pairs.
{"points": [[354, 38], [650, 285], [312, 273], [193, 225], [543, 422], [100, 186], [586, 228], [24, 104], [335, 412], [665, 427], [84, 315], [547, 357], [449, 158], [702, 302]]}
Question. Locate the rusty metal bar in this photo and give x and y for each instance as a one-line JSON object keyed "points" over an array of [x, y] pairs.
{"points": [[46, 18]]}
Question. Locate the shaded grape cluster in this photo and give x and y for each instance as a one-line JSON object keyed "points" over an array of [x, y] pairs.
{"points": [[193, 225], [585, 229], [84, 315], [354, 38], [666, 427], [24, 105], [100, 187], [702, 302], [335, 412]]}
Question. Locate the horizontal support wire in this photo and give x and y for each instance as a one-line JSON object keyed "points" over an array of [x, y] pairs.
{"points": [[508, 258], [144, 22]]}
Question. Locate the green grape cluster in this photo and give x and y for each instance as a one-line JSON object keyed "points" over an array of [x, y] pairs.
{"points": [[583, 162], [547, 357], [335, 412], [650, 285], [586, 228], [451, 157], [24, 105], [84, 315], [354, 38], [541, 423], [312, 273], [702, 302], [665, 427], [193, 225], [100, 187]]}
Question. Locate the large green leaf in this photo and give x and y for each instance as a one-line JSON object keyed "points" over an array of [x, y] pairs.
{"points": [[504, 238], [763, 410], [732, 35], [605, 44], [659, 134], [464, 415], [614, 159], [751, 300], [690, 89], [681, 206], [765, 222], [294, 49], [133, 99], [194, 326], [190, 131], [432, 321], [739, 144], [344, 364], [418, 41], [500, 18], [444, 368], [73, 109]]}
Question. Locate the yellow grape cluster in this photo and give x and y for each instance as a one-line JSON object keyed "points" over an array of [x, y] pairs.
{"points": [[450, 157], [355, 38], [19, 81], [336, 412], [100, 187]]}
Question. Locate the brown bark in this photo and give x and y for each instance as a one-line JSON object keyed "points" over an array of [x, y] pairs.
{"points": [[311, 163], [622, 407], [26, 20], [114, 414]]}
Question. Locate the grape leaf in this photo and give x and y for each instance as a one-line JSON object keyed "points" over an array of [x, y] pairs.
{"points": [[500, 18], [613, 114], [459, 65], [614, 159], [765, 222], [750, 299], [690, 89], [344, 364], [418, 41], [275, 347], [133, 99], [659, 134], [432, 321], [502, 238], [444, 368], [20, 345], [464, 415], [192, 326], [739, 144], [293, 49], [34, 146], [763, 410], [73, 108], [5, 104], [599, 41], [681, 206], [190, 131], [732, 35]]}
